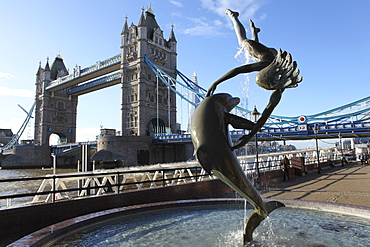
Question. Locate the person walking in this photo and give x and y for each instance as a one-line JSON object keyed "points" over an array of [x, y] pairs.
{"points": [[285, 164]]}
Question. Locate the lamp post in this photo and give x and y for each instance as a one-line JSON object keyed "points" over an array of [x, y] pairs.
{"points": [[341, 148], [316, 130], [255, 116]]}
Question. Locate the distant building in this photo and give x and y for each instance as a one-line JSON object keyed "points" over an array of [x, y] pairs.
{"points": [[5, 136], [193, 98]]}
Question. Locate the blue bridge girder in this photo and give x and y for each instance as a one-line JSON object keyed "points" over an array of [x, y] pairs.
{"points": [[351, 120], [301, 132], [93, 85], [67, 147], [329, 131]]}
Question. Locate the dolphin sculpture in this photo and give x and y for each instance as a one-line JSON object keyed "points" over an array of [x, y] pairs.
{"points": [[213, 150]]}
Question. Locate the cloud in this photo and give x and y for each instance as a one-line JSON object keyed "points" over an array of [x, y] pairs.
{"points": [[23, 93], [176, 3], [206, 26], [246, 8], [12, 123], [202, 26], [87, 134], [6, 75]]}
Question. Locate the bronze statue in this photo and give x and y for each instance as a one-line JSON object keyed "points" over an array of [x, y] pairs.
{"points": [[209, 128], [277, 71], [213, 150]]}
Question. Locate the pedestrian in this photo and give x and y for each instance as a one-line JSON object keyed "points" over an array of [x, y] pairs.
{"points": [[285, 164], [362, 158], [366, 158]]}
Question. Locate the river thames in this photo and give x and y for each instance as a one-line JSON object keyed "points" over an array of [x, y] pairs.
{"points": [[21, 187]]}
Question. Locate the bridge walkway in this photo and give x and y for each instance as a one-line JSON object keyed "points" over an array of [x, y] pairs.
{"points": [[99, 69]]}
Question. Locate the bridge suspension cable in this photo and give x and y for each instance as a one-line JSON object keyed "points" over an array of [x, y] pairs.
{"points": [[346, 113], [16, 136]]}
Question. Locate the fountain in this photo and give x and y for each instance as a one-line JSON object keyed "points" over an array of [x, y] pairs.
{"points": [[209, 126], [208, 223], [220, 222]]}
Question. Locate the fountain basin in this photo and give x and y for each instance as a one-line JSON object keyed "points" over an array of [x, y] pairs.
{"points": [[214, 222]]}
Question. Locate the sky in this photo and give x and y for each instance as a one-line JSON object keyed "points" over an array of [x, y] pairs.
{"points": [[328, 39]]}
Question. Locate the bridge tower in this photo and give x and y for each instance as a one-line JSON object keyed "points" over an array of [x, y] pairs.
{"points": [[148, 106], [55, 111]]}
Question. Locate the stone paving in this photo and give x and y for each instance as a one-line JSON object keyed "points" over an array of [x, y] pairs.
{"points": [[346, 185]]}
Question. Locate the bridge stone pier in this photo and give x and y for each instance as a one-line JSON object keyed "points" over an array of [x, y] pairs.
{"points": [[139, 150]]}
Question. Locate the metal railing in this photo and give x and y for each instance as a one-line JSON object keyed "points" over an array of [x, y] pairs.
{"points": [[71, 186], [271, 161]]}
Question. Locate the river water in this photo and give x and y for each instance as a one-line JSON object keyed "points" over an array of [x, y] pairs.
{"points": [[21, 187]]}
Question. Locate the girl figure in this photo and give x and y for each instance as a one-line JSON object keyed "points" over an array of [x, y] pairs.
{"points": [[277, 70]]}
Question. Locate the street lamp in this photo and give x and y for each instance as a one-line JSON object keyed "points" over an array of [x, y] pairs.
{"points": [[316, 130], [255, 116], [341, 148]]}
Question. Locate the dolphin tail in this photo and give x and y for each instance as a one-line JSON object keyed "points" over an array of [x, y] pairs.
{"points": [[255, 219]]}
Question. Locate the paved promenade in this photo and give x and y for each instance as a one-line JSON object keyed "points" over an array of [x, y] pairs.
{"points": [[348, 185]]}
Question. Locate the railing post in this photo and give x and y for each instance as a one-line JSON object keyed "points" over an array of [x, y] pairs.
{"points": [[53, 190], [117, 181], [163, 179]]}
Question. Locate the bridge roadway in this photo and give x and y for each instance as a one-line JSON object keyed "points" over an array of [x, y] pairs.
{"points": [[97, 84], [300, 132], [97, 70], [346, 130]]}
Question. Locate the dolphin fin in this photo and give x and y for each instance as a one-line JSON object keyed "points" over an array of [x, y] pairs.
{"points": [[203, 158], [255, 219]]}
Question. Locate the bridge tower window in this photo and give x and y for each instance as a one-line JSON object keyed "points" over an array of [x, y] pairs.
{"points": [[60, 105], [128, 126], [158, 126], [131, 120]]}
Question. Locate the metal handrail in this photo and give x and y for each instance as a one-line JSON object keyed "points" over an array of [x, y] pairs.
{"points": [[85, 175], [51, 180], [90, 187]]}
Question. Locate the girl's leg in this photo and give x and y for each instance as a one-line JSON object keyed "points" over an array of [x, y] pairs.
{"points": [[254, 31], [238, 27]]}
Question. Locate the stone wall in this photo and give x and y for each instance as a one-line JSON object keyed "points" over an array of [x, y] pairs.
{"points": [[139, 150], [167, 153], [134, 149], [28, 156]]}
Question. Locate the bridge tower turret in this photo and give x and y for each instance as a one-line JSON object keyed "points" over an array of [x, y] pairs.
{"points": [[55, 111], [148, 106], [172, 44], [124, 34]]}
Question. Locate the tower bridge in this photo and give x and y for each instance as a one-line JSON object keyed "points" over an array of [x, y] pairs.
{"points": [[147, 70]]}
